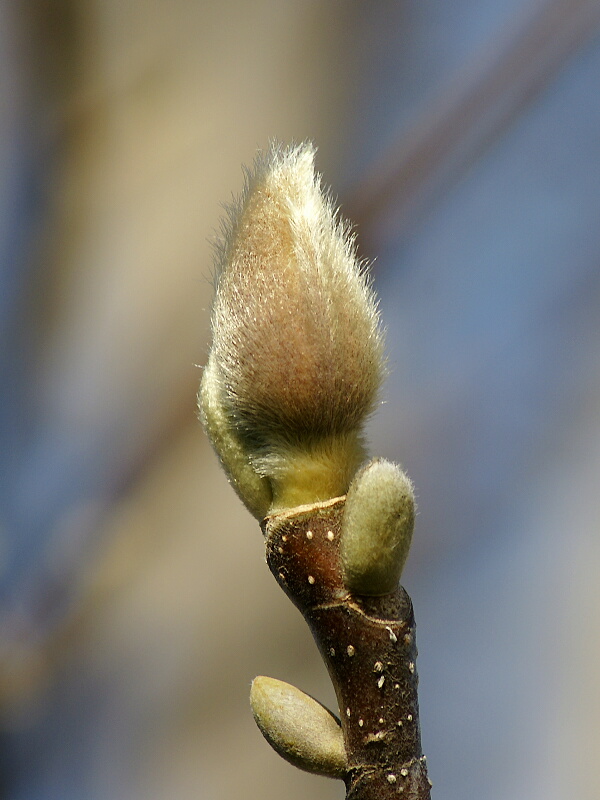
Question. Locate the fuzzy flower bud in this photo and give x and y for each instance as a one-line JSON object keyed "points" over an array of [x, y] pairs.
{"points": [[296, 360]]}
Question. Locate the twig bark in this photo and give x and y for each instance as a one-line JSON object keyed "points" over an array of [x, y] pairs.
{"points": [[369, 647]]}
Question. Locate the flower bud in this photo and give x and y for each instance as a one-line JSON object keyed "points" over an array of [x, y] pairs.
{"points": [[296, 359]]}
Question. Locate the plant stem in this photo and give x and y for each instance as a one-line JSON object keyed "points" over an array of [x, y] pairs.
{"points": [[369, 647]]}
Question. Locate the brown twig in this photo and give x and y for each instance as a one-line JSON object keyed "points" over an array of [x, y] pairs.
{"points": [[369, 647]]}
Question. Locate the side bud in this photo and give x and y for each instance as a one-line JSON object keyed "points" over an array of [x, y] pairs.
{"points": [[299, 728], [377, 528]]}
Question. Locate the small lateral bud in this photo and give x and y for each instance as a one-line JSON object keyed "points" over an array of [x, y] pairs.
{"points": [[299, 728], [377, 528]]}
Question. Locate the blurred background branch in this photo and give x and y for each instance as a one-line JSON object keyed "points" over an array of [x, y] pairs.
{"points": [[470, 110]]}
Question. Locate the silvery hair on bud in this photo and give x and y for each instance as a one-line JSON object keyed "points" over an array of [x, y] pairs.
{"points": [[296, 360]]}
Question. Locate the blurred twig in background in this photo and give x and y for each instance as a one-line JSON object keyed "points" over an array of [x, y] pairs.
{"points": [[469, 112]]}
